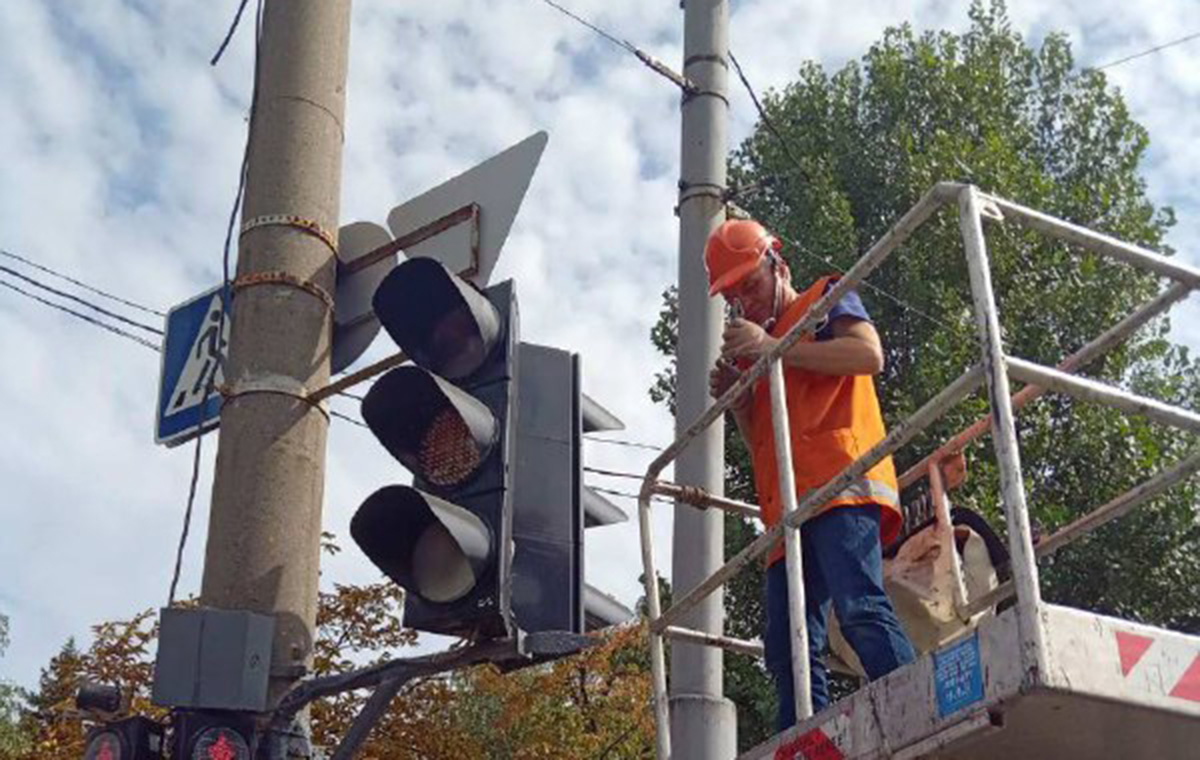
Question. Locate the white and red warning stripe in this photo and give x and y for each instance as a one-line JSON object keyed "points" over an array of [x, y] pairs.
{"points": [[1160, 665], [829, 741]]}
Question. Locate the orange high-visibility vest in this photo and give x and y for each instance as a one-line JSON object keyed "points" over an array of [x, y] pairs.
{"points": [[834, 419]]}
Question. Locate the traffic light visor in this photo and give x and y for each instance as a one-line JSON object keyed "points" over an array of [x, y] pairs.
{"points": [[433, 548], [438, 319], [438, 431]]}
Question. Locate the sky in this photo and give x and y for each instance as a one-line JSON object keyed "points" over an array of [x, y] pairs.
{"points": [[120, 146]]}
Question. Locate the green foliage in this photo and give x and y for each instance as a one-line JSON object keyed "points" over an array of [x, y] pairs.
{"points": [[15, 738], [985, 107]]}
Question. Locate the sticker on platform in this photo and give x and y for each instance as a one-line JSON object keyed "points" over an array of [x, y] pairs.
{"points": [[958, 676], [813, 745]]}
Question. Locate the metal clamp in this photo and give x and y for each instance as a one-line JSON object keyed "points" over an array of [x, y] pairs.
{"points": [[696, 92], [278, 385], [283, 278], [310, 226]]}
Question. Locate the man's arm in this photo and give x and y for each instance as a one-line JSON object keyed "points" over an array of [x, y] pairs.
{"points": [[853, 347]]}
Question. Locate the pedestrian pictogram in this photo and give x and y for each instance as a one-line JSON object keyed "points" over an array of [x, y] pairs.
{"points": [[193, 362]]}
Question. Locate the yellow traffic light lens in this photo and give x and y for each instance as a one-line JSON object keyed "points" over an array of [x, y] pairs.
{"points": [[448, 453]]}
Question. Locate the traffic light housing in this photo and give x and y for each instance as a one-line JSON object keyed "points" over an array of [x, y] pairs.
{"points": [[447, 538], [134, 738], [489, 537]]}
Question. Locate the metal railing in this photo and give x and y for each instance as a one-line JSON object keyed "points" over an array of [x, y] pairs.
{"points": [[994, 369]]}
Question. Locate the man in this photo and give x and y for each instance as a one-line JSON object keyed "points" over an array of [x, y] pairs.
{"points": [[834, 418]]}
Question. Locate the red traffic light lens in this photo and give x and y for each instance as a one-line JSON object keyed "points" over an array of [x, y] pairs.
{"points": [[104, 746], [220, 744], [449, 453]]}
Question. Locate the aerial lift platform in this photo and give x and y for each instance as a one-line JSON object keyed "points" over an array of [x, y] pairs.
{"points": [[1034, 681]]}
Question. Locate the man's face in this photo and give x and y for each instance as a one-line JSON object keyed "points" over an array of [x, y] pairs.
{"points": [[754, 293]]}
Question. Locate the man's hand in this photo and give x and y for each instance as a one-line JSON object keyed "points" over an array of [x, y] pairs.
{"points": [[721, 378], [745, 340]]}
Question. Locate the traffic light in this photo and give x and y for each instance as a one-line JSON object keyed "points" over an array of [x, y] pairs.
{"points": [[212, 735], [489, 538], [449, 419], [134, 738]]}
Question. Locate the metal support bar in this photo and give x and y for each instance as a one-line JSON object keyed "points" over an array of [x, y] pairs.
{"points": [[1004, 436], [353, 379], [797, 622], [698, 497], [1121, 505], [1102, 393], [1118, 507], [1081, 358], [899, 436], [1099, 242], [366, 719], [713, 640], [941, 508]]}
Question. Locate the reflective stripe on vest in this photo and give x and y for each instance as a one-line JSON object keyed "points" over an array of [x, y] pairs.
{"points": [[864, 490]]}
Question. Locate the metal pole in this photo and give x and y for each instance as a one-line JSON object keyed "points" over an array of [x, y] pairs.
{"points": [[1004, 438], [264, 530], [798, 623], [703, 722]]}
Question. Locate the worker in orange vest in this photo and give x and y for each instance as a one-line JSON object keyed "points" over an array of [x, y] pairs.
{"points": [[834, 418]]}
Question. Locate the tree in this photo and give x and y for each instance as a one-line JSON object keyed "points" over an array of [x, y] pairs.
{"points": [[14, 739], [851, 151], [595, 704]]}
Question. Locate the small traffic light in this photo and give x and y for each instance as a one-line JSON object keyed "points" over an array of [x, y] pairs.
{"points": [[447, 538], [200, 735], [134, 738]]}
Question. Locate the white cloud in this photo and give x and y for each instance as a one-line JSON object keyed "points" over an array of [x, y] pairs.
{"points": [[120, 148]]}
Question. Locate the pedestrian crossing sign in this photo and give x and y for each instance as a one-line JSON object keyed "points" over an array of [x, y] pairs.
{"points": [[193, 364]]}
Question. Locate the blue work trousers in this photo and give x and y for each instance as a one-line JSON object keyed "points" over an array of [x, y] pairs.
{"points": [[843, 566]]}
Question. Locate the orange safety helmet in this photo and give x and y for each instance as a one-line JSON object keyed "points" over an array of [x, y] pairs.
{"points": [[734, 250]]}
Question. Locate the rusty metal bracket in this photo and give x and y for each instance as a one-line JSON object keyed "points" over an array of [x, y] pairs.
{"points": [[301, 223], [468, 213], [283, 278]]}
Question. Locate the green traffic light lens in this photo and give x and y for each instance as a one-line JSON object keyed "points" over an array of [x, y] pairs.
{"points": [[442, 573]]}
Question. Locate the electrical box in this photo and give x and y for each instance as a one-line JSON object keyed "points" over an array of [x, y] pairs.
{"points": [[213, 659]]}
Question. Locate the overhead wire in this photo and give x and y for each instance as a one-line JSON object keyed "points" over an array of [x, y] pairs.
{"points": [[81, 301], [78, 283], [1144, 53], [85, 317], [619, 442], [648, 60]]}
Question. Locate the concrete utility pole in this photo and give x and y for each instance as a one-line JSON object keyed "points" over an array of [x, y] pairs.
{"points": [[703, 722], [264, 531]]}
